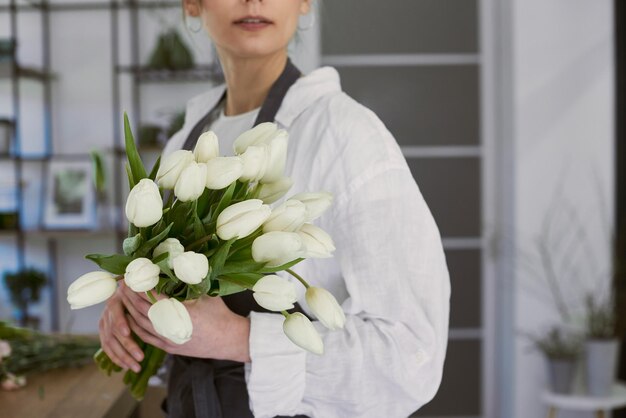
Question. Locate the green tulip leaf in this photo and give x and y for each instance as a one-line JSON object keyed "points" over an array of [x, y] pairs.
{"points": [[155, 169], [149, 245], [219, 258], [281, 268], [134, 160], [131, 179], [224, 202], [249, 266], [227, 287], [115, 263]]}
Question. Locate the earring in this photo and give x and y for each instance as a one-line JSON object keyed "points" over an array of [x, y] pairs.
{"points": [[311, 23], [195, 28]]}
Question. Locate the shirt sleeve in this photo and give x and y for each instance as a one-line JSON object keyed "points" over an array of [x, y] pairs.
{"points": [[388, 359]]}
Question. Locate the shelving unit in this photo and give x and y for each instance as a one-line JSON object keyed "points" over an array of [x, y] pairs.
{"points": [[140, 75]]}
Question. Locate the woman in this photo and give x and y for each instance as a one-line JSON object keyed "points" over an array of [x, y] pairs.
{"points": [[388, 272]]}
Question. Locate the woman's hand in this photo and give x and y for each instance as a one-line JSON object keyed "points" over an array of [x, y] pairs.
{"points": [[218, 332], [115, 337]]}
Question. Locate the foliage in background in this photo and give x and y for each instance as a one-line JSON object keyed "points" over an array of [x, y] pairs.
{"points": [[25, 287], [600, 320], [557, 344]]}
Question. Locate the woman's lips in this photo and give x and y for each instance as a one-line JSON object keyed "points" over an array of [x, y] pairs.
{"points": [[253, 23]]}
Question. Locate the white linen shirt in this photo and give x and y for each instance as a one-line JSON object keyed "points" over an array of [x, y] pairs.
{"points": [[388, 273]]}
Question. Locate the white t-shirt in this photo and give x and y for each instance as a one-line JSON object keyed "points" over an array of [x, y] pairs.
{"points": [[228, 128]]}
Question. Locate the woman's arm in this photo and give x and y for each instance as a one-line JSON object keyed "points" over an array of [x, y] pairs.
{"points": [[388, 359]]}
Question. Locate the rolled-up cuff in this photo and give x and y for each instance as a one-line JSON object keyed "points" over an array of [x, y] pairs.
{"points": [[275, 377]]}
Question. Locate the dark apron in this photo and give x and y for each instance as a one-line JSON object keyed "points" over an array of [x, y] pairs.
{"points": [[207, 388]]}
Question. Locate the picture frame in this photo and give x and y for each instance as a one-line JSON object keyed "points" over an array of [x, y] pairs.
{"points": [[69, 195]]}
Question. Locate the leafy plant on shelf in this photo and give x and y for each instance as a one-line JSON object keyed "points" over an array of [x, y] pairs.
{"points": [[558, 344], [600, 320], [25, 288]]}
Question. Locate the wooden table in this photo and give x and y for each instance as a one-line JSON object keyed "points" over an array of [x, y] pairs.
{"points": [[84, 392]]}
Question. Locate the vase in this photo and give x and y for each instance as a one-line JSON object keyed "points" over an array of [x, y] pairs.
{"points": [[561, 372], [601, 365]]}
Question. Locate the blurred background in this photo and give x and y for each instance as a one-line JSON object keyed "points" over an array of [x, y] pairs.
{"points": [[510, 113]]}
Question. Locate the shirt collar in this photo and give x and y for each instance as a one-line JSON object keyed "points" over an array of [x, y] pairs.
{"points": [[304, 92]]}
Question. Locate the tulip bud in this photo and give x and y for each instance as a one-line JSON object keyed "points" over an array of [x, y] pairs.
{"points": [[316, 203], [277, 157], [141, 275], [171, 320], [5, 349], [287, 217], [191, 182], [325, 308], [144, 205], [191, 267], [255, 161], [207, 147], [222, 171], [277, 248], [12, 382], [302, 333], [275, 293], [271, 192], [91, 289], [317, 241], [171, 167], [260, 134], [171, 246], [242, 219]]}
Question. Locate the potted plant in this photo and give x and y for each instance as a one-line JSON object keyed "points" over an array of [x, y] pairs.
{"points": [[601, 347], [561, 350], [25, 288]]}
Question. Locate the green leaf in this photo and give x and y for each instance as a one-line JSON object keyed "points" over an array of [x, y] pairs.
{"points": [[131, 179], [160, 258], [224, 202], [153, 242], [204, 203], [246, 280], [134, 160], [179, 216], [165, 268], [219, 258], [115, 263], [249, 266], [281, 268], [228, 288], [131, 244], [98, 171], [155, 169]]}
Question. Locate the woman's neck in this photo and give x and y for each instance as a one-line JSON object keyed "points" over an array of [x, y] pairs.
{"points": [[248, 80]]}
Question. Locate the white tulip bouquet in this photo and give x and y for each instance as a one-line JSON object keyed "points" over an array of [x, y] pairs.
{"points": [[216, 235]]}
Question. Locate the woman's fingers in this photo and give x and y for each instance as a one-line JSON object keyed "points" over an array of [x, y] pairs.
{"points": [[146, 336], [136, 309], [116, 328]]}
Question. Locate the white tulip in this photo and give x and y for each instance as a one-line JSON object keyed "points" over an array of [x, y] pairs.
{"points": [[271, 192], [191, 267], [277, 248], [255, 161], [287, 217], [260, 134], [171, 167], [207, 147], [144, 205], [242, 219], [317, 241], [302, 333], [316, 203], [171, 246], [222, 171], [325, 307], [191, 182], [278, 157], [141, 275], [5, 349], [171, 320], [275, 293], [91, 289]]}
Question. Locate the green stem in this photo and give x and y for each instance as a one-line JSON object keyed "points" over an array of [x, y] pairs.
{"points": [[294, 274], [151, 297], [199, 242], [285, 314]]}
